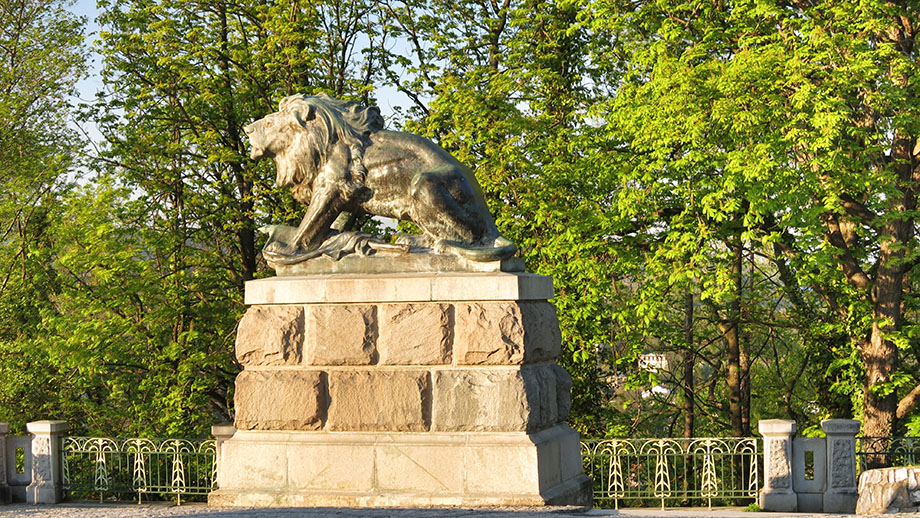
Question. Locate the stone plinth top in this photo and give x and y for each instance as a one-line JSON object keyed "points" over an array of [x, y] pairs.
{"points": [[776, 427], [396, 287], [46, 426], [223, 430], [840, 426]]}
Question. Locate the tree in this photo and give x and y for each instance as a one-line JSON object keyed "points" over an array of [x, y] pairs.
{"points": [[799, 121], [153, 277], [41, 58]]}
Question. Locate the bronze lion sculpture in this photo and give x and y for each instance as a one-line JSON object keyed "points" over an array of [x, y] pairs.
{"points": [[336, 157]]}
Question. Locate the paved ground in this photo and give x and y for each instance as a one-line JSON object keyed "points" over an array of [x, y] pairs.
{"points": [[157, 510]]}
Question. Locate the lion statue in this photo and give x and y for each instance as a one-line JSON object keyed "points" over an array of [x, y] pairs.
{"points": [[337, 158]]}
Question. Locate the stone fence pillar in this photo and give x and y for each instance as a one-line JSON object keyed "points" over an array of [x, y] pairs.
{"points": [[46, 486], [5, 494], [841, 494], [221, 433], [777, 493]]}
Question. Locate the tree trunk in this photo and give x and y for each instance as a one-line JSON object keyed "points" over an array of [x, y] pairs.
{"points": [[246, 232], [731, 334], [689, 361]]}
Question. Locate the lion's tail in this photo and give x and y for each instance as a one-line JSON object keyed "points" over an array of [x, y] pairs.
{"points": [[502, 249]]}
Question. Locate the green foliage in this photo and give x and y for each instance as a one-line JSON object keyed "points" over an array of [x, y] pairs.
{"points": [[789, 128], [41, 58], [730, 185]]}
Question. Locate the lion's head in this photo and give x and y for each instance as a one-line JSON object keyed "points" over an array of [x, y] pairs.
{"points": [[302, 133]]}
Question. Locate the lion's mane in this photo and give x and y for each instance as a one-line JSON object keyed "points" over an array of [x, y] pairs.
{"points": [[326, 122]]}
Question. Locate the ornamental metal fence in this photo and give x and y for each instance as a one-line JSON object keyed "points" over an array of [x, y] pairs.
{"points": [[675, 472], [119, 469], [875, 452], [626, 472]]}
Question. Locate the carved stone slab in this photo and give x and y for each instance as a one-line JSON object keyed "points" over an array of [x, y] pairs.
{"points": [[395, 287], [409, 262]]}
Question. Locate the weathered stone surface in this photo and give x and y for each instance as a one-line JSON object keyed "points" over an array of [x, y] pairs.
{"points": [[341, 334], [379, 400], [548, 407], [841, 494], [779, 464], [280, 400], [542, 338], [889, 490], [398, 287], [777, 494], [843, 464], [362, 469], [494, 400], [505, 333], [563, 391], [270, 335], [415, 334]]}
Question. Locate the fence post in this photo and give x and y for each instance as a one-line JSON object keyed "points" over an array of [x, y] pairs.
{"points": [[777, 493], [6, 495], [221, 433], [841, 494], [46, 462]]}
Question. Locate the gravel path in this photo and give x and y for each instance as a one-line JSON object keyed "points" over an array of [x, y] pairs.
{"points": [[156, 510], [90, 510]]}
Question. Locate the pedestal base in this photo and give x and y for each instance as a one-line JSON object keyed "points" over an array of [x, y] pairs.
{"points": [[354, 469], [785, 502]]}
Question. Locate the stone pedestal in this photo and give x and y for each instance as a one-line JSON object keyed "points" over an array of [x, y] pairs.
{"points": [[777, 493], [401, 390], [840, 495], [5, 493], [46, 485]]}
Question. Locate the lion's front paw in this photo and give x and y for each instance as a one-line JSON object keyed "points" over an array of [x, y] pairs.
{"points": [[280, 248]]}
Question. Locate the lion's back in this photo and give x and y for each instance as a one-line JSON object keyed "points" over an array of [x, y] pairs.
{"points": [[407, 152]]}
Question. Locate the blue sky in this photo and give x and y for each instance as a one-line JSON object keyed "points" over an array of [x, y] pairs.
{"points": [[388, 97]]}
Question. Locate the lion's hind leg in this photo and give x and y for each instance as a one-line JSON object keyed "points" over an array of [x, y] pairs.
{"points": [[439, 213]]}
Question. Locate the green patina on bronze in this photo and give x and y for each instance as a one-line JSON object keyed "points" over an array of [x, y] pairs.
{"points": [[337, 158]]}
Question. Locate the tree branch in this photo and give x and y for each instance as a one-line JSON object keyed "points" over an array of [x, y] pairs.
{"points": [[908, 402], [854, 273], [858, 211]]}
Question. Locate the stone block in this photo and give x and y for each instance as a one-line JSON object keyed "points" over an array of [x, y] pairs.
{"points": [[261, 465], [491, 286], [505, 333], [817, 482], [889, 490], [548, 405], [563, 391], [415, 334], [330, 466], [374, 469], [498, 465], [379, 400], [270, 335], [398, 287], [494, 400], [341, 334], [280, 400], [423, 468]]}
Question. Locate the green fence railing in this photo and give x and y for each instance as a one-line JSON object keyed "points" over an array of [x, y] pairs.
{"points": [[626, 472], [875, 452], [673, 472], [100, 467]]}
